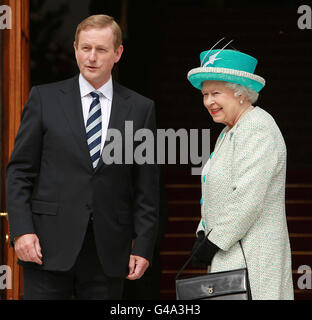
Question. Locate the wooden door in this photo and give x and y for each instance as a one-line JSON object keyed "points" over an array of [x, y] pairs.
{"points": [[15, 86]]}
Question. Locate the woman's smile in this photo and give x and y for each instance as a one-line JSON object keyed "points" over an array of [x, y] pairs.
{"points": [[215, 111]]}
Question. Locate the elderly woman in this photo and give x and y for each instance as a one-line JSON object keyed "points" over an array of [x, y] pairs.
{"points": [[243, 182]]}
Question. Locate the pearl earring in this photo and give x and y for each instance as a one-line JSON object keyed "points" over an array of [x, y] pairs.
{"points": [[241, 102]]}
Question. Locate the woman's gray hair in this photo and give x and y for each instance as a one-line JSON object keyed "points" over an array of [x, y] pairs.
{"points": [[238, 89]]}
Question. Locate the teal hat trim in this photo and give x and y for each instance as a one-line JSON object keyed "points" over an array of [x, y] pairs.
{"points": [[226, 65]]}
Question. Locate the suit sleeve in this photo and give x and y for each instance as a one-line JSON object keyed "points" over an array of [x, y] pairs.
{"points": [[255, 160], [146, 199], [23, 168]]}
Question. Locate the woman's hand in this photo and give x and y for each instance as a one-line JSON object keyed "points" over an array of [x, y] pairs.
{"points": [[205, 250]]}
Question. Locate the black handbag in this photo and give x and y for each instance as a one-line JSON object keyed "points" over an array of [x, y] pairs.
{"points": [[225, 285]]}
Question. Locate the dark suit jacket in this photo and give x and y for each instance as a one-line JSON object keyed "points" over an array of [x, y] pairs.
{"points": [[52, 187]]}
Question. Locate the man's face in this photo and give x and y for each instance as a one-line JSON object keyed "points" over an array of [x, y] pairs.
{"points": [[96, 55]]}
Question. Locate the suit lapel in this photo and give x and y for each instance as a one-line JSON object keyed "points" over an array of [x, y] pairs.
{"points": [[119, 111], [71, 101]]}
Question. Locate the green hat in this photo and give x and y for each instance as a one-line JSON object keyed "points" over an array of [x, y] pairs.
{"points": [[226, 65]]}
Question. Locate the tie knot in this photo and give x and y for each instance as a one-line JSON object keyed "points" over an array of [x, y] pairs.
{"points": [[95, 95]]}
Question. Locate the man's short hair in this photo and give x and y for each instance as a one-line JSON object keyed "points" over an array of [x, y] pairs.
{"points": [[101, 21]]}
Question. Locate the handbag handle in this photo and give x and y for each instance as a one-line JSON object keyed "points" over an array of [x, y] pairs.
{"points": [[192, 255]]}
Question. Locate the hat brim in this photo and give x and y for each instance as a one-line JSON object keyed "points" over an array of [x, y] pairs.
{"points": [[198, 75]]}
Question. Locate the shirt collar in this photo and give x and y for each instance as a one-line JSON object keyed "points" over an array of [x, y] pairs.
{"points": [[86, 88]]}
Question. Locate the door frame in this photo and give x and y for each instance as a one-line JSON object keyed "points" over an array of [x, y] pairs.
{"points": [[15, 88]]}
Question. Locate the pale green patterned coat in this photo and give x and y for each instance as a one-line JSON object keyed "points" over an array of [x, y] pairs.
{"points": [[243, 190]]}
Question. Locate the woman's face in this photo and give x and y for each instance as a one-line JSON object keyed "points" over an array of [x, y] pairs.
{"points": [[221, 103]]}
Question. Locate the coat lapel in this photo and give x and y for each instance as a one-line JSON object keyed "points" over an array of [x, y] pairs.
{"points": [[119, 111], [71, 101]]}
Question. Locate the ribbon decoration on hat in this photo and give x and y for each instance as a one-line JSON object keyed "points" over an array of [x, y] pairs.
{"points": [[213, 57]]}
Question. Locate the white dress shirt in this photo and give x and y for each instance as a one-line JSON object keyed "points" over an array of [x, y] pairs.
{"points": [[106, 98]]}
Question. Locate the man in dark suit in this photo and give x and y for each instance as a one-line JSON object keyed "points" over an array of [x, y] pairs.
{"points": [[79, 225]]}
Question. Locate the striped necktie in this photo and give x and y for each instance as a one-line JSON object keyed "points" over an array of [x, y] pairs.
{"points": [[94, 129]]}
